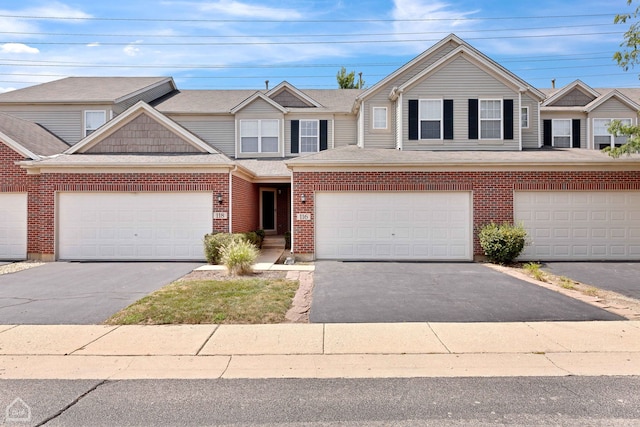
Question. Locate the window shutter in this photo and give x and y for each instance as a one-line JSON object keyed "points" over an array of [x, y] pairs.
{"points": [[323, 135], [473, 119], [448, 118], [575, 124], [413, 119], [507, 106], [546, 133], [295, 136]]}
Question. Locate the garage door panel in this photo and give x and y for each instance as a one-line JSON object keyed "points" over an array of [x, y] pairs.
{"points": [[133, 226], [394, 225], [601, 224]]}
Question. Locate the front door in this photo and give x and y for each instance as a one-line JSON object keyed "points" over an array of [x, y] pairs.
{"points": [[268, 210]]}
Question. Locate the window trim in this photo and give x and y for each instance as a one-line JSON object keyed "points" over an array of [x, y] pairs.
{"points": [[553, 131], [441, 119], [501, 119], [300, 151], [612, 139], [526, 108], [260, 136], [84, 118], [373, 117]]}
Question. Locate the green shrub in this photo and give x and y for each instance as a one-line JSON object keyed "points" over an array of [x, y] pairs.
{"points": [[253, 238], [261, 233], [213, 244], [502, 243], [238, 256], [287, 240]]}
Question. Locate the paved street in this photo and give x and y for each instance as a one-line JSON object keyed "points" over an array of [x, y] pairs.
{"points": [[81, 292], [567, 401], [435, 292]]}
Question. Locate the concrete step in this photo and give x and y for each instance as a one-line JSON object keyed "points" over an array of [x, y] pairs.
{"points": [[273, 242]]}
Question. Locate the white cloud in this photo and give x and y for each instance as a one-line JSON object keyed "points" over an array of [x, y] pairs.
{"points": [[94, 44], [244, 10], [131, 50], [18, 48], [6, 89], [55, 9]]}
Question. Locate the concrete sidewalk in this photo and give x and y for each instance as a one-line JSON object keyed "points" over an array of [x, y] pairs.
{"points": [[320, 350]]}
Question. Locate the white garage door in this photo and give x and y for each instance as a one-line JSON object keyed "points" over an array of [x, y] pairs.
{"points": [[133, 226], [13, 226], [580, 225], [394, 226]]}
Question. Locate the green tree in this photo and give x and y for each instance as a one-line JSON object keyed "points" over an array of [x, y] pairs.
{"points": [[347, 80], [627, 58]]}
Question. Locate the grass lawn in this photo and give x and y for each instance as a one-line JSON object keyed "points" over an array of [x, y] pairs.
{"points": [[221, 299]]}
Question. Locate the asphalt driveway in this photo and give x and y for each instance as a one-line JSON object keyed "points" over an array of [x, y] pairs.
{"points": [[81, 293], [620, 277], [435, 292]]}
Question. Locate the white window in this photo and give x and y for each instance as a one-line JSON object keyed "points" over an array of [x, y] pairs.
{"points": [[309, 136], [490, 119], [379, 117], [561, 131], [524, 117], [93, 119], [259, 136], [430, 119], [601, 136]]}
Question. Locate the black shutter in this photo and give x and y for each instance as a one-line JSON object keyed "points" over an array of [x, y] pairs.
{"points": [[295, 136], [448, 118], [546, 133], [323, 135], [575, 134], [473, 119], [507, 124], [413, 119]]}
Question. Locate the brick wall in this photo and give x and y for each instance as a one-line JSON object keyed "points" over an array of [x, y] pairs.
{"points": [[492, 191], [246, 205], [51, 183]]}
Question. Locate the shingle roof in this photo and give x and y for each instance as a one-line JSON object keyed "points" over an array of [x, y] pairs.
{"points": [[352, 155], [31, 136], [81, 89], [631, 93], [222, 101], [266, 168]]}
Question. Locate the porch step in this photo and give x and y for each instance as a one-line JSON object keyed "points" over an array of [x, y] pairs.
{"points": [[273, 242]]}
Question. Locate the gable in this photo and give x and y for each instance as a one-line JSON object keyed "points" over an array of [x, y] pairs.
{"points": [[288, 99], [260, 107], [143, 134], [574, 98], [613, 108]]}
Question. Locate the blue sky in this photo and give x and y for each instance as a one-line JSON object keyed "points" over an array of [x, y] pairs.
{"points": [[238, 44]]}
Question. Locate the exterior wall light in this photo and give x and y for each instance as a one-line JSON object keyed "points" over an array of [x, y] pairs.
{"points": [[303, 198], [219, 198]]}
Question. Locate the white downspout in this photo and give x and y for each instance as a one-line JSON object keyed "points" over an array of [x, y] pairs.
{"points": [[235, 168], [399, 120], [539, 123], [361, 126], [292, 217]]}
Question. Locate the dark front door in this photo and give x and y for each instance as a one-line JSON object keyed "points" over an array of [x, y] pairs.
{"points": [[268, 207]]}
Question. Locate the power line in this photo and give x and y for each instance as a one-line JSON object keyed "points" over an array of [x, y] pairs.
{"points": [[304, 21]]}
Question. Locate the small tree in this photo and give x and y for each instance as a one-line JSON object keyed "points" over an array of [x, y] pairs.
{"points": [[347, 80]]}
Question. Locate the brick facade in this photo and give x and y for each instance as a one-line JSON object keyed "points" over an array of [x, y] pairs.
{"points": [[246, 202], [492, 191]]}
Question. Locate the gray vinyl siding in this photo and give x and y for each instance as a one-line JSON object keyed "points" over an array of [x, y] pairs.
{"points": [[529, 135], [259, 109], [613, 109], [217, 131], [375, 139], [287, 131], [345, 131], [148, 96], [65, 124], [460, 80], [573, 115]]}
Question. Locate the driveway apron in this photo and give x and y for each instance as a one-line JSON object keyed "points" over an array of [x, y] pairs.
{"points": [[435, 292], [620, 277], [81, 292]]}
